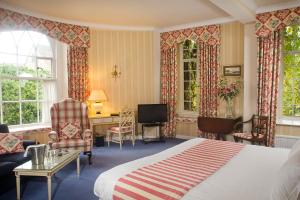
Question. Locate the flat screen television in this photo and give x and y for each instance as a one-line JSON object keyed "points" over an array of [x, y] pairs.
{"points": [[152, 113]]}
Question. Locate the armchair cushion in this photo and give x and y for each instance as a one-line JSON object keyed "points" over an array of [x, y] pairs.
{"points": [[7, 168], [72, 143], [247, 136], [11, 143], [14, 157], [70, 130], [122, 129]]}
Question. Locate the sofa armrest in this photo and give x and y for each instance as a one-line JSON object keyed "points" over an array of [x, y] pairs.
{"points": [[53, 136], [26, 143], [87, 134]]}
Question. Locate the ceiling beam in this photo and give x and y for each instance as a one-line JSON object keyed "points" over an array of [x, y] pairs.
{"points": [[236, 9]]}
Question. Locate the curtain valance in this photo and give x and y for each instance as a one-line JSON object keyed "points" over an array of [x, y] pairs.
{"points": [[268, 22], [73, 35], [210, 34]]}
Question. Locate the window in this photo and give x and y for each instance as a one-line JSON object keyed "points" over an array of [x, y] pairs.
{"points": [[290, 88], [189, 76], [27, 75]]}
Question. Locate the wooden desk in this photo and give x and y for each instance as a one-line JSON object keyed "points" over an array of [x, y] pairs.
{"points": [[98, 120], [218, 126]]}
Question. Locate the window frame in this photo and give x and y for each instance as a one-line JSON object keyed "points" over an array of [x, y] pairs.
{"points": [[36, 78], [181, 110], [282, 119]]}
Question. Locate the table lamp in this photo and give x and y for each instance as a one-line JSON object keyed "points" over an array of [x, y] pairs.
{"points": [[96, 98]]}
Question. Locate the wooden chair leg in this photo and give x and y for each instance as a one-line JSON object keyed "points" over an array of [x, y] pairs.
{"points": [[120, 140], [235, 139], [90, 158], [89, 154], [133, 138]]}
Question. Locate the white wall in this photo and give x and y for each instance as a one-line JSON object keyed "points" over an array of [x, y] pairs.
{"points": [[250, 71]]}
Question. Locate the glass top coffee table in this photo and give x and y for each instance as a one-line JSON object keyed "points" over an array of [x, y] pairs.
{"points": [[49, 168]]}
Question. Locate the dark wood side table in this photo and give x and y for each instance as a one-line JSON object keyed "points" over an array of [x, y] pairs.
{"points": [[219, 126]]}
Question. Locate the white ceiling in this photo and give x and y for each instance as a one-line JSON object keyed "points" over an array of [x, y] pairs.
{"points": [[143, 13]]}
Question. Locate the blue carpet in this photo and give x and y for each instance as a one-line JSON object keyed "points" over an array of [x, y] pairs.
{"points": [[66, 185]]}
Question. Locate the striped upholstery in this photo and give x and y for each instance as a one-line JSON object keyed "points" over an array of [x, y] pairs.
{"points": [[173, 177], [247, 136], [70, 111], [72, 143], [117, 129]]}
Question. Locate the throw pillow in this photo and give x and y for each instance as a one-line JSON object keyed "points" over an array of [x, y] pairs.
{"points": [[287, 183], [70, 130], [11, 143]]}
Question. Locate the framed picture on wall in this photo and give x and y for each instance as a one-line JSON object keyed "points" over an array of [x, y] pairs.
{"points": [[234, 70]]}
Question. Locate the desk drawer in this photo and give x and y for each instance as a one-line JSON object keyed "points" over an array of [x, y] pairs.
{"points": [[116, 119], [103, 120]]}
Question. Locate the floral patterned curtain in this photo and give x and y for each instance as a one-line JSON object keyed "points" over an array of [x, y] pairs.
{"points": [[209, 69], [78, 82], [169, 87], [269, 26], [209, 38], [70, 34], [269, 49]]}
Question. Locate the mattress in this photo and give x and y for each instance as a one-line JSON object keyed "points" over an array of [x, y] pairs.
{"points": [[248, 175]]}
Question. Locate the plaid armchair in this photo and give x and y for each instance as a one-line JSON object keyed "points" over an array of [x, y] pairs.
{"points": [[70, 127]]}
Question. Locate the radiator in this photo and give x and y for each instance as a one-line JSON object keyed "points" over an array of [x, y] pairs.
{"points": [[285, 141]]}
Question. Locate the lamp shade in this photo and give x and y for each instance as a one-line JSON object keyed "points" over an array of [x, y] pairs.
{"points": [[98, 95]]}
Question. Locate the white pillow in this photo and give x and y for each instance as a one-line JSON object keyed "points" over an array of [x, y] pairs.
{"points": [[295, 148], [287, 183]]}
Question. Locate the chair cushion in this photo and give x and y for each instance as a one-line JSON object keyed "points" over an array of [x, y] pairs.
{"points": [[6, 168], [14, 157], [246, 136], [71, 143], [123, 129], [11, 143], [70, 130]]}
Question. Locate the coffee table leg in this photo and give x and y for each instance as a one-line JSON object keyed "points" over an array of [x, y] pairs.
{"points": [[18, 186], [49, 187], [78, 166]]}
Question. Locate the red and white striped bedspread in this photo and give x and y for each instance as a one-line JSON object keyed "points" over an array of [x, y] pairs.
{"points": [[173, 177]]}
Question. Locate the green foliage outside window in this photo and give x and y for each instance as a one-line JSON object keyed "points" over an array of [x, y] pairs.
{"points": [[190, 75], [20, 95], [291, 62]]}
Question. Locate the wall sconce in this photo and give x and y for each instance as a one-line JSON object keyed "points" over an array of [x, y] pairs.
{"points": [[115, 74]]}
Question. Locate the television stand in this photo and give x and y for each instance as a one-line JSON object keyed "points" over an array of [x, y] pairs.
{"points": [[158, 139]]}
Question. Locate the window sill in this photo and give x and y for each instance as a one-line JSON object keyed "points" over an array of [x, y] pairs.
{"points": [[29, 127], [288, 122]]}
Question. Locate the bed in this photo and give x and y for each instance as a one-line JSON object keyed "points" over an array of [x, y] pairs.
{"points": [[247, 175]]}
